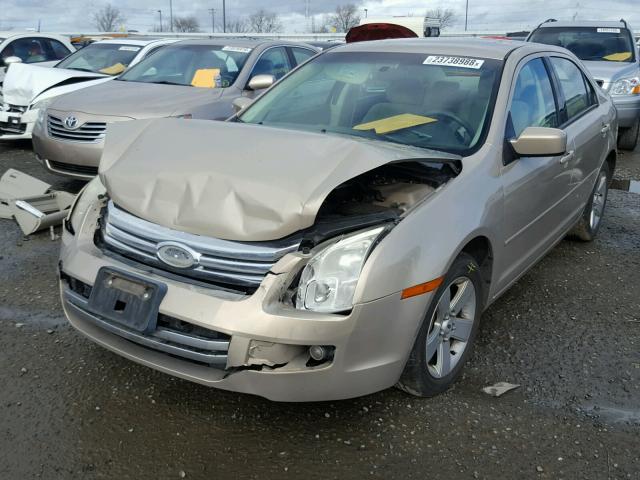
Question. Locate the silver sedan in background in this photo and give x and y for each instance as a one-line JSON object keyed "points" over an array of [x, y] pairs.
{"points": [[190, 79]]}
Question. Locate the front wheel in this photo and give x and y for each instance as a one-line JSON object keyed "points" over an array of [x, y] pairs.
{"points": [[587, 227], [448, 331], [628, 137]]}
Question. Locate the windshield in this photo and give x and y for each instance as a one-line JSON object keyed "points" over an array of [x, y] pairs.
{"points": [[107, 58], [429, 101], [590, 43], [206, 66]]}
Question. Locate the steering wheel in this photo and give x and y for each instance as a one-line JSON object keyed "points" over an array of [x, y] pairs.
{"points": [[450, 119]]}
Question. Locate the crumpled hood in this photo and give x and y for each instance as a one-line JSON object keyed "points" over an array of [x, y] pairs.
{"points": [[233, 181], [23, 83], [135, 99], [611, 71]]}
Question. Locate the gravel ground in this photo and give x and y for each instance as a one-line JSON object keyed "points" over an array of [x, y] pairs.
{"points": [[568, 333]]}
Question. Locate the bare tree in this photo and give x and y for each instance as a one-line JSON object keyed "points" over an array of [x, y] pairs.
{"points": [[238, 25], [345, 17], [265, 22], [186, 24], [447, 16], [108, 18], [321, 26]]}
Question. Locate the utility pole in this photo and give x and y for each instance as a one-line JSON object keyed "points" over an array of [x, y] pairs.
{"points": [[224, 16], [160, 12], [213, 19], [171, 14], [466, 16], [38, 25]]}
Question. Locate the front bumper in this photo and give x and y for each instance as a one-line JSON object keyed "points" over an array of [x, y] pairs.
{"points": [[71, 159], [372, 343], [17, 126], [628, 108]]}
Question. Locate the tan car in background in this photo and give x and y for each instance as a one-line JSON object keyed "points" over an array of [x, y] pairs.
{"points": [[345, 233], [191, 79]]}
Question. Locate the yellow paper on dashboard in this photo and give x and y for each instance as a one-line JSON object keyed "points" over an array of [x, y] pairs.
{"points": [[395, 123], [205, 78], [618, 57], [114, 69]]}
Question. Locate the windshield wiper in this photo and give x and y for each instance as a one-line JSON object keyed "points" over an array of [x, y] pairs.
{"points": [[81, 69], [166, 82]]}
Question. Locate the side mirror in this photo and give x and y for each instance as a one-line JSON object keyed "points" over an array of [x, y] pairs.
{"points": [[9, 60], [540, 142], [241, 103], [260, 82]]}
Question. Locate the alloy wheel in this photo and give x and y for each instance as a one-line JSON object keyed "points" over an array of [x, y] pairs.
{"points": [[597, 204], [451, 327]]}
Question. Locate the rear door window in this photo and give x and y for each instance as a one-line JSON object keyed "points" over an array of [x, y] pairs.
{"points": [[58, 50], [577, 97], [301, 55]]}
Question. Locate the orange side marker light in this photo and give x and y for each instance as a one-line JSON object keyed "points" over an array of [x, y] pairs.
{"points": [[422, 288]]}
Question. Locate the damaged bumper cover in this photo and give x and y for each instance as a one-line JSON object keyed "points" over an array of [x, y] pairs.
{"points": [[257, 344]]}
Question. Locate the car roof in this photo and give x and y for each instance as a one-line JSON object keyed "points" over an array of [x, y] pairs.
{"points": [[238, 42], [131, 41], [15, 33], [468, 47], [591, 23]]}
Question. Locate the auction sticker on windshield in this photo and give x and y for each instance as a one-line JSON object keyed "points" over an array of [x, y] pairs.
{"points": [[236, 49], [608, 30], [129, 49], [463, 62]]}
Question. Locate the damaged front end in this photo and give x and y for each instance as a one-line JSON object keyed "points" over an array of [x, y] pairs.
{"points": [[239, 304]]}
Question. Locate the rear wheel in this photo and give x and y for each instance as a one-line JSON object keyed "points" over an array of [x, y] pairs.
{"points": [[587, 227], [448, 331], [628, 137]]}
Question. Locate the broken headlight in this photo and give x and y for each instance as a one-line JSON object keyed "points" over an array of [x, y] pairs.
{"points": [[329, 279], [85, 199]]}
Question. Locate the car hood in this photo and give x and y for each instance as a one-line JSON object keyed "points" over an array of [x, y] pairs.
{"points": [[234, 181], [23, 83], [135, 99], [611, 71]]}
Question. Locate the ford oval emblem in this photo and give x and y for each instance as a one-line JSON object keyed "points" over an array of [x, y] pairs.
{"points": [[177, 255], [71, 122]]}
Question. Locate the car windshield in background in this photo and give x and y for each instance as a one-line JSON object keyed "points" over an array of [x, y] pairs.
{"points": [[206, 66], [107, 58], [429, 101], [590, 43]]}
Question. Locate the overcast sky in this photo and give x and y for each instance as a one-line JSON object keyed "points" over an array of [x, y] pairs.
{"points": [[488, 15]]}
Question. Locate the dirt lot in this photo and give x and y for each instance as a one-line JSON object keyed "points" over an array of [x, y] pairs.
{"points": [[568, 333]]}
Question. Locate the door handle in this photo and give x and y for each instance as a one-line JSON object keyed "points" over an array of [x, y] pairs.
{"points": [[605, 128], [566, 158]]}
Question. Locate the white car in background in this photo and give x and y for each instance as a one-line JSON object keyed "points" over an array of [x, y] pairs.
{"points": [[32, 47], [28, 89]]}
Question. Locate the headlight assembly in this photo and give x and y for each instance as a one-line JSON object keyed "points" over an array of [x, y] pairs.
{"points": [[83, 202], [329, 280], [626, 86], [41, 104]]}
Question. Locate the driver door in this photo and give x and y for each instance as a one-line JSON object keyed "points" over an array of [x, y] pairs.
{"points": [[536, 189]]}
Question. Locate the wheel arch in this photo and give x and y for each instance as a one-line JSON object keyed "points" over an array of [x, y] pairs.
{"points": [[611, 160], [481, 249]]}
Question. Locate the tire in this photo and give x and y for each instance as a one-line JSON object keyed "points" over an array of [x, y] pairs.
{"points": [[589, 224], [628, 137], [427, 377]]}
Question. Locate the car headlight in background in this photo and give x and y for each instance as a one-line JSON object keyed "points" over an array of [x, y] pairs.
{"points": [[41, 104], [82, 203], [329, 279], [626, 86]]}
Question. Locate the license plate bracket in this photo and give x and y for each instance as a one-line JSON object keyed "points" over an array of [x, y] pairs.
{"points": [[127, 299]]}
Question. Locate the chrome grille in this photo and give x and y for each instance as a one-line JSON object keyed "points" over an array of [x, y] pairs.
{"points": [[90, 132], [227, 263]]}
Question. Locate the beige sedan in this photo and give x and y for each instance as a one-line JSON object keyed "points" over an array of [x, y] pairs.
{"points": [[346, 231]]}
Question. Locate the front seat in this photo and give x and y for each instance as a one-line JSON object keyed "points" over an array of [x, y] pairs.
{"points": [[404, 95]]}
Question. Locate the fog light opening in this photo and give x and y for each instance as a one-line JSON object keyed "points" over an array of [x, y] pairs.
{"points": [[318, 352]]}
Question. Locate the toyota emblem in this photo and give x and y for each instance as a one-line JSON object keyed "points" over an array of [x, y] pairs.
{"points": [[71, 122]]}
